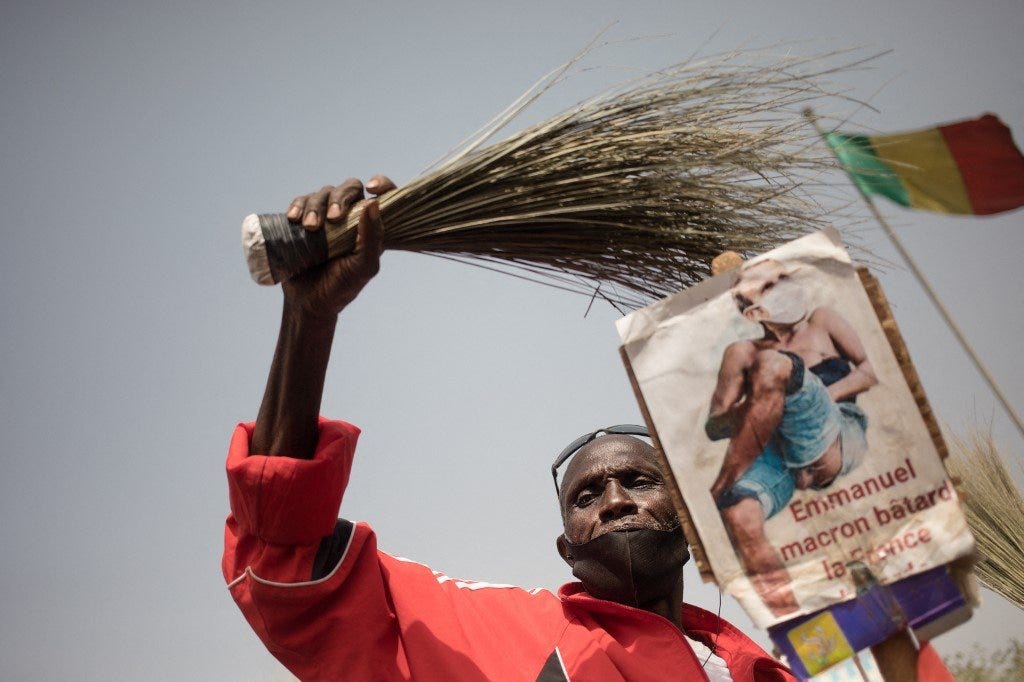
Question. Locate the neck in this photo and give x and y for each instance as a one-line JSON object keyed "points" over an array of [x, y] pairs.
{"points": [[670, 606], [780, 332]]}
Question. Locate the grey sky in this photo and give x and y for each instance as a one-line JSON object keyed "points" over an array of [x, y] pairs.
{"points": [[137, 135]]}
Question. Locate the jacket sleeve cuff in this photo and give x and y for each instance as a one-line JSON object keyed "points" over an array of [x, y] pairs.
{"points": [[290, 501]]}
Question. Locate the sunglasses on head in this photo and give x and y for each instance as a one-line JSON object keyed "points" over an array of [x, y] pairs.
{"points": [[573, 447]]}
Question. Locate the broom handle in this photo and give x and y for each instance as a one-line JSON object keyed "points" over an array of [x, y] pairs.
{"points": [[276, 249]]}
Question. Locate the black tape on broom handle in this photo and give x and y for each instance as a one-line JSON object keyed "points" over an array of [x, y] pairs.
{"points": [[291, 248], [276, 249]]}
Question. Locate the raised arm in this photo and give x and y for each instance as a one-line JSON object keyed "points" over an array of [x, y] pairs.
{"points": [[287, 420], [848, 343], [313, 587]]}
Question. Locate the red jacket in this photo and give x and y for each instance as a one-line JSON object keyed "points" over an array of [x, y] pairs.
{"points": [[378, 617]]}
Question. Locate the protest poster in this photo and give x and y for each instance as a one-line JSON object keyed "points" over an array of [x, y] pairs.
{"points": [[791, 433]]}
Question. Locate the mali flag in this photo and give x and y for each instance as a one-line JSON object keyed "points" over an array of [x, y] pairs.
{"points": [[969, 167]]}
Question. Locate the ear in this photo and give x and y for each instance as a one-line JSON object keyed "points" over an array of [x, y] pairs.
{"points": [[563, 550]]}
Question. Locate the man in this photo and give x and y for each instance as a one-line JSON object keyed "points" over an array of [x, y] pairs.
{"points": [[329, 605], [786, 400]]}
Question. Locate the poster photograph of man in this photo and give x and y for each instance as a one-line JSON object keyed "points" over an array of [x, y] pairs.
{"points": [[791, 432], [787, 403]]}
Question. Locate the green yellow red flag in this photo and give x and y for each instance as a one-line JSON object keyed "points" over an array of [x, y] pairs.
{"points": [[968, 167]]}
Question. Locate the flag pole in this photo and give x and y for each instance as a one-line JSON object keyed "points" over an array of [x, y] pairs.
{"points": [[923, 281]]}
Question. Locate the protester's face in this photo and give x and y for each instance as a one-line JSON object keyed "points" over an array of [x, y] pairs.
{"points": [[822, 473], [614, 483]]}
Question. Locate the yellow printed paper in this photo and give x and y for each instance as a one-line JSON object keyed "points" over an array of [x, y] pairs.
{"points": [[820, 643]]}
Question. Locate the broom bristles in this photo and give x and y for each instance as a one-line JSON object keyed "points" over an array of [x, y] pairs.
{"points": [[632, 193], [995, 512]]}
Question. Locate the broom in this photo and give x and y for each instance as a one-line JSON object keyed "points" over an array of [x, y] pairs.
{"points": [[628, 195], [995, 512]]}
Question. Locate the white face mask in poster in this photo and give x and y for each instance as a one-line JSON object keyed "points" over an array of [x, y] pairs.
{"points": [[784, 303]]}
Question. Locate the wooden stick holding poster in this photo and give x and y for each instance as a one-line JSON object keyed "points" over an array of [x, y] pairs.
{"points": [[804, 465]]}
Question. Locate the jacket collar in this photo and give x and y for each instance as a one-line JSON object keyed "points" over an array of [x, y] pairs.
{"points": [[741, 654]]}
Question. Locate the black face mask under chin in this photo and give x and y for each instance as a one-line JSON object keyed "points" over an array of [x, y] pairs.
{"points": [[633, 567]]}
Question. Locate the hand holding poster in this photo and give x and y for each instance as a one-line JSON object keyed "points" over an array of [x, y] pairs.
{"points": [[794, 439]]}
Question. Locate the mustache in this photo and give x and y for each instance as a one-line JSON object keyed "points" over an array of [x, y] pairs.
{"points": [[669, 526]]}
